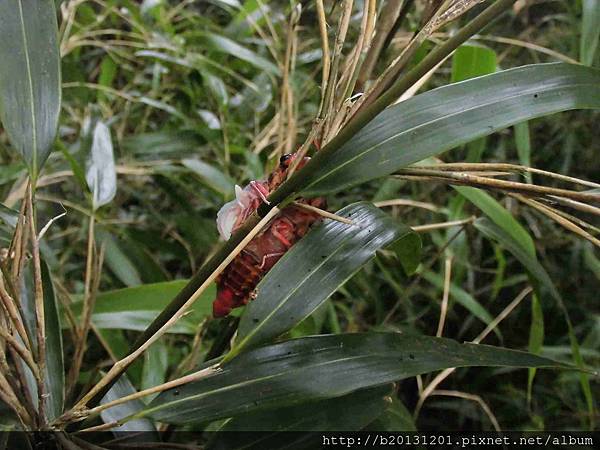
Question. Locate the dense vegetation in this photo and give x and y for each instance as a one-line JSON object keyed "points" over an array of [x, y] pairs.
{"points": [[167, 105]]}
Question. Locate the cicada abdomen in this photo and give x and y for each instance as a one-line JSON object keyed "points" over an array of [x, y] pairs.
{"points": [[238, 281]]}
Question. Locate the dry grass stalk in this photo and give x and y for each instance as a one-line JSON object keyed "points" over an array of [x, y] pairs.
{"points": [[39, 305], [431, 387], [445, 296], [340, 38], [473, 180], [389, 14], [562, 221], [119, 366]]}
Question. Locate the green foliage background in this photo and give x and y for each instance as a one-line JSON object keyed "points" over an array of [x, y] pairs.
{"points": [[189, 92]]}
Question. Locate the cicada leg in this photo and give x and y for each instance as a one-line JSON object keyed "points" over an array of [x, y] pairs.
{"points": [[283, 229], [261, 190], [269, 255]]}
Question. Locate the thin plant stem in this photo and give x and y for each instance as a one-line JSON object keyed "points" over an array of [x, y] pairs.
{"points": [[25, 354], [492, 325], [565, 223], [39, 304], [437, 226], [88, 307], [475, 180], [324, 213], [14, 314], [407, 202], [445, 297], [325, 59], [285, 194], [208, 371], [120, 366], [473, 397]]}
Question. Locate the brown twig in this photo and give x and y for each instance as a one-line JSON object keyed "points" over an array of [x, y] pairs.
{"points": [[447, 372], [24, 353], [474, 180], [389, 14], [118, 368], [445, 296], [14, 314], [562, 221], [89, 297], [39, 305]]}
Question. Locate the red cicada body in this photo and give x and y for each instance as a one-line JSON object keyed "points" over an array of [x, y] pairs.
{"points": [[236, 284]]}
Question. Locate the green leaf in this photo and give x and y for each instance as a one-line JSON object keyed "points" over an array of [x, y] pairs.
{"points": [[134, 308], [314, 268], [462, 297], [349, 412], [29, 78], [444, 118], [471, 60], [522, 253], [122, 388], [499, 215], [536, 338], [8, 216], [216, 87], [540, 275], [396, 418], [523, 143], [213, 178], [55, 375], [101, 175], [232, 48], [117, 260], [590, 31], [155, 367], [55, 386], [319, 367]]}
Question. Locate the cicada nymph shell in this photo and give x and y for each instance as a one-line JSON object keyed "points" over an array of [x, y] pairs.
{"points": [[236, 284]]}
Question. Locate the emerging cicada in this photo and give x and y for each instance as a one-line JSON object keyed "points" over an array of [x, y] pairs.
{"points": [[237, 282]]}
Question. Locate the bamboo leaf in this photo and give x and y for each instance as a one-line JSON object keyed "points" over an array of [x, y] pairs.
{"points": [[499, 215], [30, 91], [349, 412], [134, 308], [590, 31], [536, 338], [314, 268], [396, 418], [537, 271], [444, 118], [213, 178], [320, 367], [463, 298], [470, 61], [228, 46], [54, 377], [122, 388]]}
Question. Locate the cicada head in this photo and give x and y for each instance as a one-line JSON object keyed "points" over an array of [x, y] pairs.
{"points": [[232, 214]]}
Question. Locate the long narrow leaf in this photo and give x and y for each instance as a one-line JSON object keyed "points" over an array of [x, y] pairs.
{"points": [[29, 77], [436, 121], [540, 275], [314, 268], [590, 31], [320, 367]]}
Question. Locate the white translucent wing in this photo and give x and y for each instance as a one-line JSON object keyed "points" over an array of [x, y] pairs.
{"points": [[231, 212], [226, 218]]}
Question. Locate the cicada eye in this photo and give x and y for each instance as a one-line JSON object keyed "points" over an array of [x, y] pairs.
{"points": [[285, 159]]}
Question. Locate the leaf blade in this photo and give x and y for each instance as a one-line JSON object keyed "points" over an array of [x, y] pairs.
{"points": [[318, 367], [30, 93], [314, 268], [449, 116]]}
